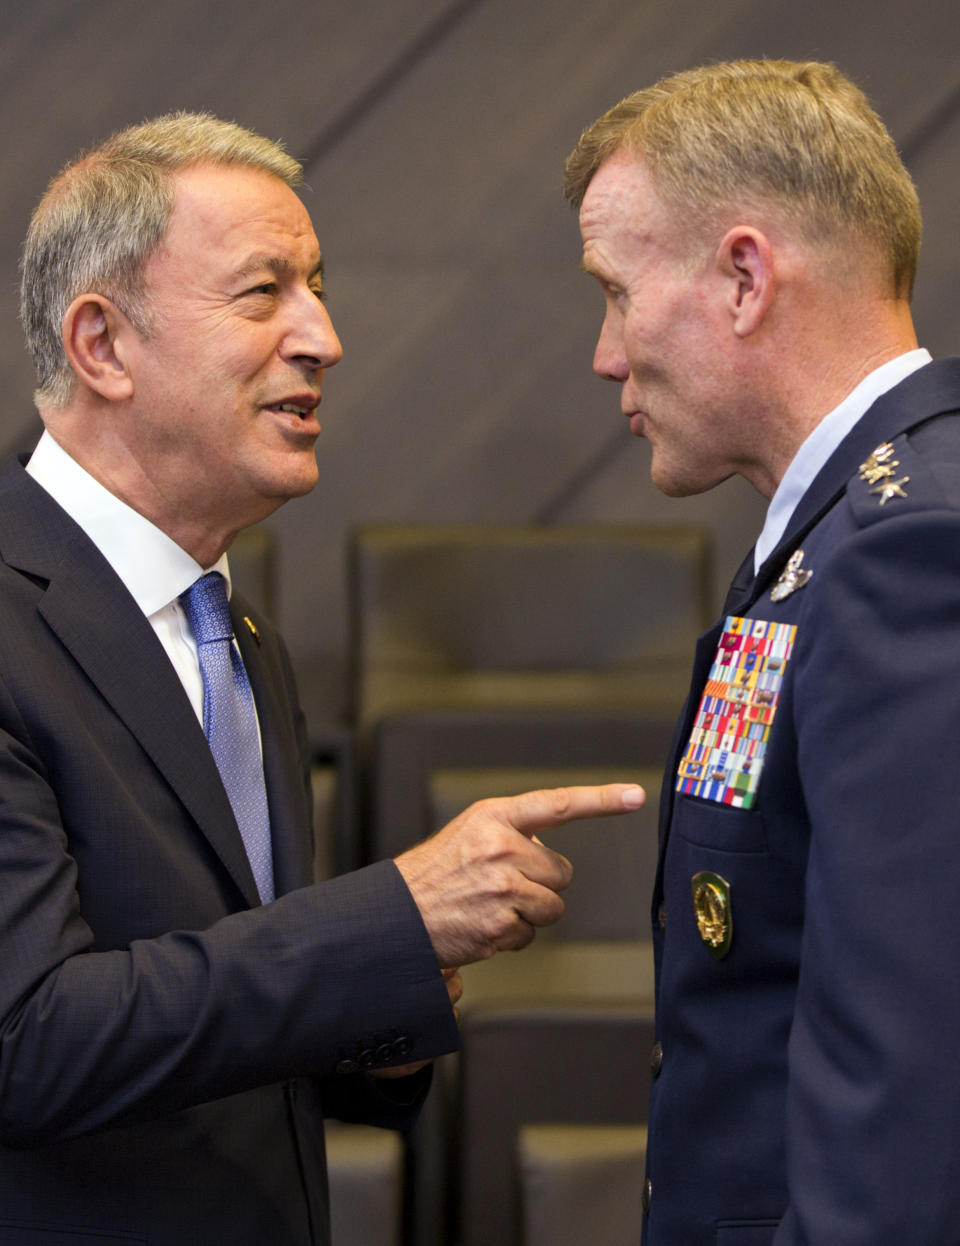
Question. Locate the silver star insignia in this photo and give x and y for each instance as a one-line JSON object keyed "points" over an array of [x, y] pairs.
{"points": [[891, 489]]}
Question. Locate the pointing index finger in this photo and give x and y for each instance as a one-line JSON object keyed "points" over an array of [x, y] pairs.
{"points": [[536, 811]]}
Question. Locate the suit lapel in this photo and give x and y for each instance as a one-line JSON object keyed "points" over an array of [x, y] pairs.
{"points": [[741, 585], [282, 760], [94, 617]]}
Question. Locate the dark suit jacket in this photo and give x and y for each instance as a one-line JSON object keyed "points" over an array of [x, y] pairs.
{"points": [[808, 1091], [167, 1046]]}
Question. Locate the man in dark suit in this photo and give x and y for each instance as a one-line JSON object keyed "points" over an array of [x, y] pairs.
{"points": [[755, 236], [179, 1005]]}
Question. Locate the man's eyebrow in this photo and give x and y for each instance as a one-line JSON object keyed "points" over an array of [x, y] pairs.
{"points": [[279, 265], [593, 271], [589, 261]]}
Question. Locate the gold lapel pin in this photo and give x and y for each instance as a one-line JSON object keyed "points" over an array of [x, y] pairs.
{"points": [[252, 627], [880, 464]]}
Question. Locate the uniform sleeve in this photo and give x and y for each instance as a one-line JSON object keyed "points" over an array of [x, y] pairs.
{"points": [[874, 1096]]}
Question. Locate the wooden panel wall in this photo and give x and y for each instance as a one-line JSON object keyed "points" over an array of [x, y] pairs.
{"points": [[435, 132]]}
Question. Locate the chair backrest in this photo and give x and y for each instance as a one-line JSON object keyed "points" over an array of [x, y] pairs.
{"points": [[578, 1064], [447, 615]]}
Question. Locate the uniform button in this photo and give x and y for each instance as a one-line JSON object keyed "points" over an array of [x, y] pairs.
{"points": [[662, 917], [647, 1195], [656, 1059], [366, 1058], [402, 1047], [347, 1066], [384, 1053]]}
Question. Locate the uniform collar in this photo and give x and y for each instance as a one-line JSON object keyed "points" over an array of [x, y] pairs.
{"points": [[822, 442]]}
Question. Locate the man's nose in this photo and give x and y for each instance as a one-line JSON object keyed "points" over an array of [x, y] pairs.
{"points": [[312, 338], [609, 359]]}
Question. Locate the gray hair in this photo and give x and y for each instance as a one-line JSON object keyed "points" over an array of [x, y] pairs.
{"points": [[798, 136], [103, 216]]}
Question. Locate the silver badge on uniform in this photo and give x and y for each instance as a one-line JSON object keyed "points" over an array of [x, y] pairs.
{"points": [[792, 577]]}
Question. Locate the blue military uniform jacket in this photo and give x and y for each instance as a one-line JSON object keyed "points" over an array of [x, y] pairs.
{"points": [[808, 960]]}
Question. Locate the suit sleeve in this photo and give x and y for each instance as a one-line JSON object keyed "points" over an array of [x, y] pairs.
{"points": [[874, 1097], [94, 1038]]}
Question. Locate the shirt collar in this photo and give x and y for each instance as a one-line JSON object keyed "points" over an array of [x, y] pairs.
{"points": [[154, 569], [822, 442]]}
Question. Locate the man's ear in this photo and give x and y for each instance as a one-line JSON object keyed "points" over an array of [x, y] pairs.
{"points": [[745, 257], [95, 333]]}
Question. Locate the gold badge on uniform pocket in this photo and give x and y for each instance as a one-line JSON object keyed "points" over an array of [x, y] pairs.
{"points": [[711, 907]]}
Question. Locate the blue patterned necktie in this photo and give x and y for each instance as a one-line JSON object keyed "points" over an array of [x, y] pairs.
{"points": [[230, 721]]}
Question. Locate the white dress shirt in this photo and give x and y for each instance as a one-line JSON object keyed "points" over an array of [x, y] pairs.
{"points": [[822, 442], [154, 568]]}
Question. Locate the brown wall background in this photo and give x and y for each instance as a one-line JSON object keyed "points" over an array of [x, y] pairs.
{"points": [[434, 133]]}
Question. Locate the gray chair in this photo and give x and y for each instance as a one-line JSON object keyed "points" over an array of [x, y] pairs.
{"points": [[514, 646], [365, 1167], [579, 1065], [582, 1183], [558, 1036], [490, 660]]}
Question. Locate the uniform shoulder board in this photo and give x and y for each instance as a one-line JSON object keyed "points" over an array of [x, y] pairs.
{"points": [[891, 480]]}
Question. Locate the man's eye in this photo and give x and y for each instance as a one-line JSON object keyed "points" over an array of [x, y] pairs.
{"points": [[320, 293], [266, 287]]}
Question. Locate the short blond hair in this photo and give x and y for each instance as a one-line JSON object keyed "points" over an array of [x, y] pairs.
{"points": [[798, 136], [104, 215]]}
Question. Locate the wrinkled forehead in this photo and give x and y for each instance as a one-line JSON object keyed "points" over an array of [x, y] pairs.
{"points": [[621, 195], [218, 196], [227, 215], [621, 211], [624, 210]]}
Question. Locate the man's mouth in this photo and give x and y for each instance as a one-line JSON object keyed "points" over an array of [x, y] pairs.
{"points": [[302, 408]]}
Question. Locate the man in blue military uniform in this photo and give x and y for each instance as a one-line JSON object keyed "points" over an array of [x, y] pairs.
{"points": [[755, 236]]}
